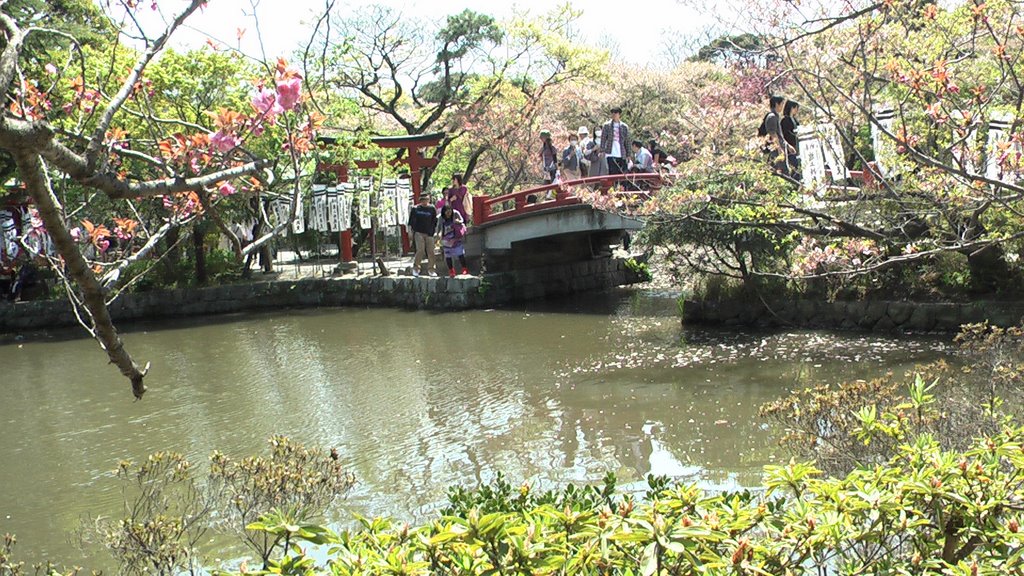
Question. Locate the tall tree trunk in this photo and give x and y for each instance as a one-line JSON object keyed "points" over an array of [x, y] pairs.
{"points": [[172, 253], [33, 173], [199, 250]]}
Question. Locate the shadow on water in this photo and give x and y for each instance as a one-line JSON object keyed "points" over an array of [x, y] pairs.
{"points": [[605, 303]]}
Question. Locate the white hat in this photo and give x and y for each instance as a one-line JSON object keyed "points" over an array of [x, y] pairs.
{"points": [[583, 130]]}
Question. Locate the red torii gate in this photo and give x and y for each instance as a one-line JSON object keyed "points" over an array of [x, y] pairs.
{"points": [[414, 145]]}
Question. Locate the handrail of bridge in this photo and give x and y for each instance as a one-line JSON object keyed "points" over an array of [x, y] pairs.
{"points": [[483, 206]]}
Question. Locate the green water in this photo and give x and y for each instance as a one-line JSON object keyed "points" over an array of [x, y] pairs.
{"points": [[414, 401]]}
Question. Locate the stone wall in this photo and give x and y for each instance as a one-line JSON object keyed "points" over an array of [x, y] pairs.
{"points": [[879, 316], [400, 292]]}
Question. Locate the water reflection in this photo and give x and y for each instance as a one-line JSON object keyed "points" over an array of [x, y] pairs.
{"points": [[415, 401]]}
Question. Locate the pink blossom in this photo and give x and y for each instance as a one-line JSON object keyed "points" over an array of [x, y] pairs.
{"points": [[265, 102], [103, 244], [224, 142], [226, 189], [76, 234], [289, 90], [51, 69]]}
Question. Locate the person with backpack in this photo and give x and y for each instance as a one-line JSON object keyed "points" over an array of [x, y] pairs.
{"points": [[452, 230], [775, 147]]}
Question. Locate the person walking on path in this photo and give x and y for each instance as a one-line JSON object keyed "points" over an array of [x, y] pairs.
{"points": [[455, 196], [548, 157], [423, 222], [615, 142], [572, 159], [775, 148], [789, 126], [452, 230]]}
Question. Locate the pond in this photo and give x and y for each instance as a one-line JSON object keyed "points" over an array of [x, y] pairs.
{"points": [[414, 401]]}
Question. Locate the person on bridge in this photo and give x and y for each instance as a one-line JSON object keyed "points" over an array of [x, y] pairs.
{"points": [[548, 157], [598, 162], [423, 222], [643, 161], [452, 230], [586, 147], [615, 142], [572, 159], [455, 196]]}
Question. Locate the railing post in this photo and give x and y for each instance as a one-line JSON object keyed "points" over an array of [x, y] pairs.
{"points": [[560, 193], [480, 214]]}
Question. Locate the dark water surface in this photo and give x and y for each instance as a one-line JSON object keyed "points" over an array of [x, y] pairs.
{"points": [[414, 401]]}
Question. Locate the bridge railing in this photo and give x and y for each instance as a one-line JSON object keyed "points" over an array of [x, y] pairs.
{"points": [[491, 209]]}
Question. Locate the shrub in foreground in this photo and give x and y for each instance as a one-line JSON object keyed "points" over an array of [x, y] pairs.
{"points": [[924, 511]]}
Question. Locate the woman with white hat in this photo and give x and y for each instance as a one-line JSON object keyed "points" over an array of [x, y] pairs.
{"points": [[586, 143]]}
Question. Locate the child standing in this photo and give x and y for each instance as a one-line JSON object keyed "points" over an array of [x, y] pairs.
{"points": [[452, 229]]}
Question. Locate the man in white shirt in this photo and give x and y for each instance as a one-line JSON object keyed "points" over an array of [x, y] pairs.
{"points": [[615, 142], [644, 161]]}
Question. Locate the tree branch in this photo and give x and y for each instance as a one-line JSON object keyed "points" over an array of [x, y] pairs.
{"points": [[33, 172], [96, 142]]}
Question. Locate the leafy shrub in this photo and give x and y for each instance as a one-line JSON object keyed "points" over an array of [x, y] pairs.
{"points": [[951, 404], [168, 509], [295, 483], [640, 269], [923, 511]]}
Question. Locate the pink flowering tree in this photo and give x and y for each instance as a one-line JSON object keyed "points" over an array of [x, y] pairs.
{"points": [[925, 98], [87, 125]]}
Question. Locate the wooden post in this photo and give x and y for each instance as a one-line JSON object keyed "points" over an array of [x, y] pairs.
{"points": [[345, 241], [479, 210]]}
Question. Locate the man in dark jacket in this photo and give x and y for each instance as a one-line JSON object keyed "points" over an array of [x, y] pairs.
{"points": [[423, 222]]}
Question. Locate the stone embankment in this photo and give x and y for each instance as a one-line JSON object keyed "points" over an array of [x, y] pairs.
{"points": [[459, 293], [879, 316]]}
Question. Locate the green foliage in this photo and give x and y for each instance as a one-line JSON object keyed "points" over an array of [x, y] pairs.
{"points": [[925, 510], [222, 267], [294, 484], [723, 220], [862, 423], [270, 502], [501, 496], [193, 85], [11, 567], [742, 47], [640, 269], [464, 32], [166, 515]]}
